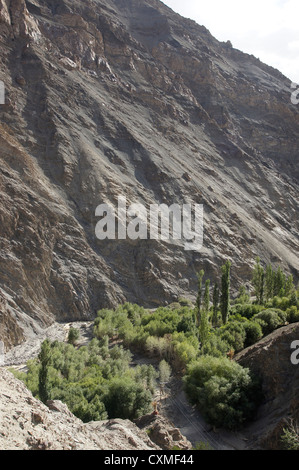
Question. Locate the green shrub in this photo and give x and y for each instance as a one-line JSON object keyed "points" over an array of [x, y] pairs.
{"points": [[234, 334], [281, 303], [290, 437], [246, 310], [216, 346], [202, 446], [292, 314], [184, 353], [127, 399], [223, 390], [73, 336], [270, 319], [184, 302], [253, 332], [95, 381]]}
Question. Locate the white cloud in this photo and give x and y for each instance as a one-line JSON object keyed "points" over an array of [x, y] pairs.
{"points": [[268, 29]]}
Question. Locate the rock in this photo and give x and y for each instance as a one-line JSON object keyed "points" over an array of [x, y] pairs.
{"points": [[99, 109], [68, 63], [59, 407], [11, 333], [20, 80], [28, 424], [270, 359], [163, 433], [36, 418]]}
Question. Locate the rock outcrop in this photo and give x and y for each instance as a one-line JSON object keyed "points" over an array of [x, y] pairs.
{"points": [[126, 98], [270, 359], [161, 432], [28, 424]]}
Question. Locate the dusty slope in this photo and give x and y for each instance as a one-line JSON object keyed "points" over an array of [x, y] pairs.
{"points": [[127, 98], [27, 424]]}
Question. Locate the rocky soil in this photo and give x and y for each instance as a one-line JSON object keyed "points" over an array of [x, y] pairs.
{"points": [[108, 98], [28, 424]]}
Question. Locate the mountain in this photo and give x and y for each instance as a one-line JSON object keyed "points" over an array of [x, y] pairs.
{"points": [[126, 98]]}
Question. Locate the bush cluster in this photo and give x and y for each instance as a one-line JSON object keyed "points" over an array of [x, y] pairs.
{"points": [[95, 381], [98, 381]]}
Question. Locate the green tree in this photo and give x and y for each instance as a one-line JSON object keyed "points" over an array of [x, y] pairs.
{"points": [[73, 335], [225, 392], [215, 304], [258, 277], [270, 319], [243, 297], [43, 382], [200, 276], [289, 285], [206, 299], [225, 291], [253, 331], [127, 399], [204, 329], [234, 334], [279, 282], [269, 283], [164, 372], [293, 298]]}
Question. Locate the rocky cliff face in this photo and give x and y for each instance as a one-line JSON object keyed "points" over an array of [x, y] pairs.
{"points": [[108, 98], [28, 424], [270, 359]]}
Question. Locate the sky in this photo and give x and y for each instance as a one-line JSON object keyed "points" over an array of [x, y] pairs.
{"points": [[268, 29]]}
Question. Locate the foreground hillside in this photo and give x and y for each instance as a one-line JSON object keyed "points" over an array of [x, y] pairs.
{"points": [[112, 98], [28, 424], [270, 358]]}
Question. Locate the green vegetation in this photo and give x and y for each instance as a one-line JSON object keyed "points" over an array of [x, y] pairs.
{"points": [[290, 436], [73, 336], [225, 291], [206, 337], [223, 390], [95, 381], [198, 343], [164, 372]]}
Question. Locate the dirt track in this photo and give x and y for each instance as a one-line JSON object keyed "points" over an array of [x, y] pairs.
{"points": [[192, 425]]}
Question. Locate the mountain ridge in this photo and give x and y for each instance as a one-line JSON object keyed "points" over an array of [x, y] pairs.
{"points": [[128, 98]]}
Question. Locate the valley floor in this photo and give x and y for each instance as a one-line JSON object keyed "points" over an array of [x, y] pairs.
{"points": [[173, 404]]}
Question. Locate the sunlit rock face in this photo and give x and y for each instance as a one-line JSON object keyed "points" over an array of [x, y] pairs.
{"points": [[126, 98]]}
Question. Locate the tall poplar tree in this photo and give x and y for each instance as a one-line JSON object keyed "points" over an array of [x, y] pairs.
{"points": [[43, 382], [258, 278], [269, 283], [215, 303], [200, 276], [225, 291], [206, 298]]}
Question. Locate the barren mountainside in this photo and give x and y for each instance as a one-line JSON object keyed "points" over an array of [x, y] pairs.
{"points": [[126, 98]]}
